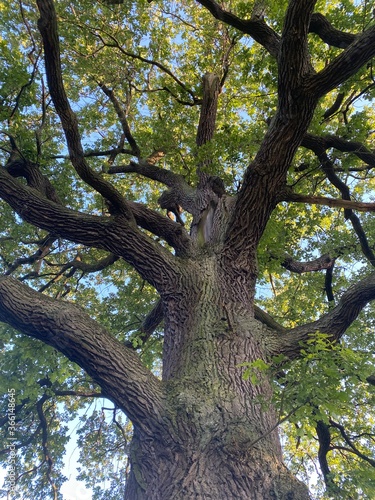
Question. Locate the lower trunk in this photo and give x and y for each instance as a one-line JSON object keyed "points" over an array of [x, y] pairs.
{"points": [[208, 471], [221, 439]]}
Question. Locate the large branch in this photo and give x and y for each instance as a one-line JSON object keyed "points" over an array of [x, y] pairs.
{"points": [[267, 173], [330, 35], [146, 218], [356, 55], [114, 234], [67, 328], [322, 262], [151, 171], [258, 29], [334, 324], [179, 194], [294, 59], [174, 234], [207, 118], [48, 29], [255, 27]]}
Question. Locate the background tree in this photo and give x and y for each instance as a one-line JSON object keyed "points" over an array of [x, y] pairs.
{"points": [[170, 173]]}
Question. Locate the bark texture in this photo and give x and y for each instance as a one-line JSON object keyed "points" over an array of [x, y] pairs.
{"points": [[202, 431]]}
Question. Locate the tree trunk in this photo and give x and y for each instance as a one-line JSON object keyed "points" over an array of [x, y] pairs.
{"points": [[221, 439]]}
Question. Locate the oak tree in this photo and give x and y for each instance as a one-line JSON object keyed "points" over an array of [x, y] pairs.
{"points": [[187, 231]]}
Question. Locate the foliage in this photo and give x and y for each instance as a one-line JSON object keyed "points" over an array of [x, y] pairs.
{"points": [[152, 55]]}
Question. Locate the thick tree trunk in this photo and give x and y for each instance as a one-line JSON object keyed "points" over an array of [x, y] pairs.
{"points": [[221, 440]]}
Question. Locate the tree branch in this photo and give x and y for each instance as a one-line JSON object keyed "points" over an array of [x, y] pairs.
{"points": [[207, 118], [334, 323], [255, 27], [324, 437], [179, 194], [266, 175], [122, 117], [150, 323], [269, 39], [85, 267], [48, 29], [320, 144], [268, 320], [46, 451], [67, 328], [151, 171], [36, 258], [330, 35], [329, 202], [358, 53], [294, 61], [349, 442], [114, 234], [319, 147], [138, 57], [323, 262], [328, 286], [174, 234]]}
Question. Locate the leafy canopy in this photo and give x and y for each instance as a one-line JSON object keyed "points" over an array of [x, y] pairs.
{"points": [[151, 57]]}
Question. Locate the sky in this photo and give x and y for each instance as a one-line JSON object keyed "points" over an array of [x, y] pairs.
{"points": [[71, 489]]}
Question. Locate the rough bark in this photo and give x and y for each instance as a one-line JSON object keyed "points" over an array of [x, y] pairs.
{"points": [[203, 431], [212, 454]]}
